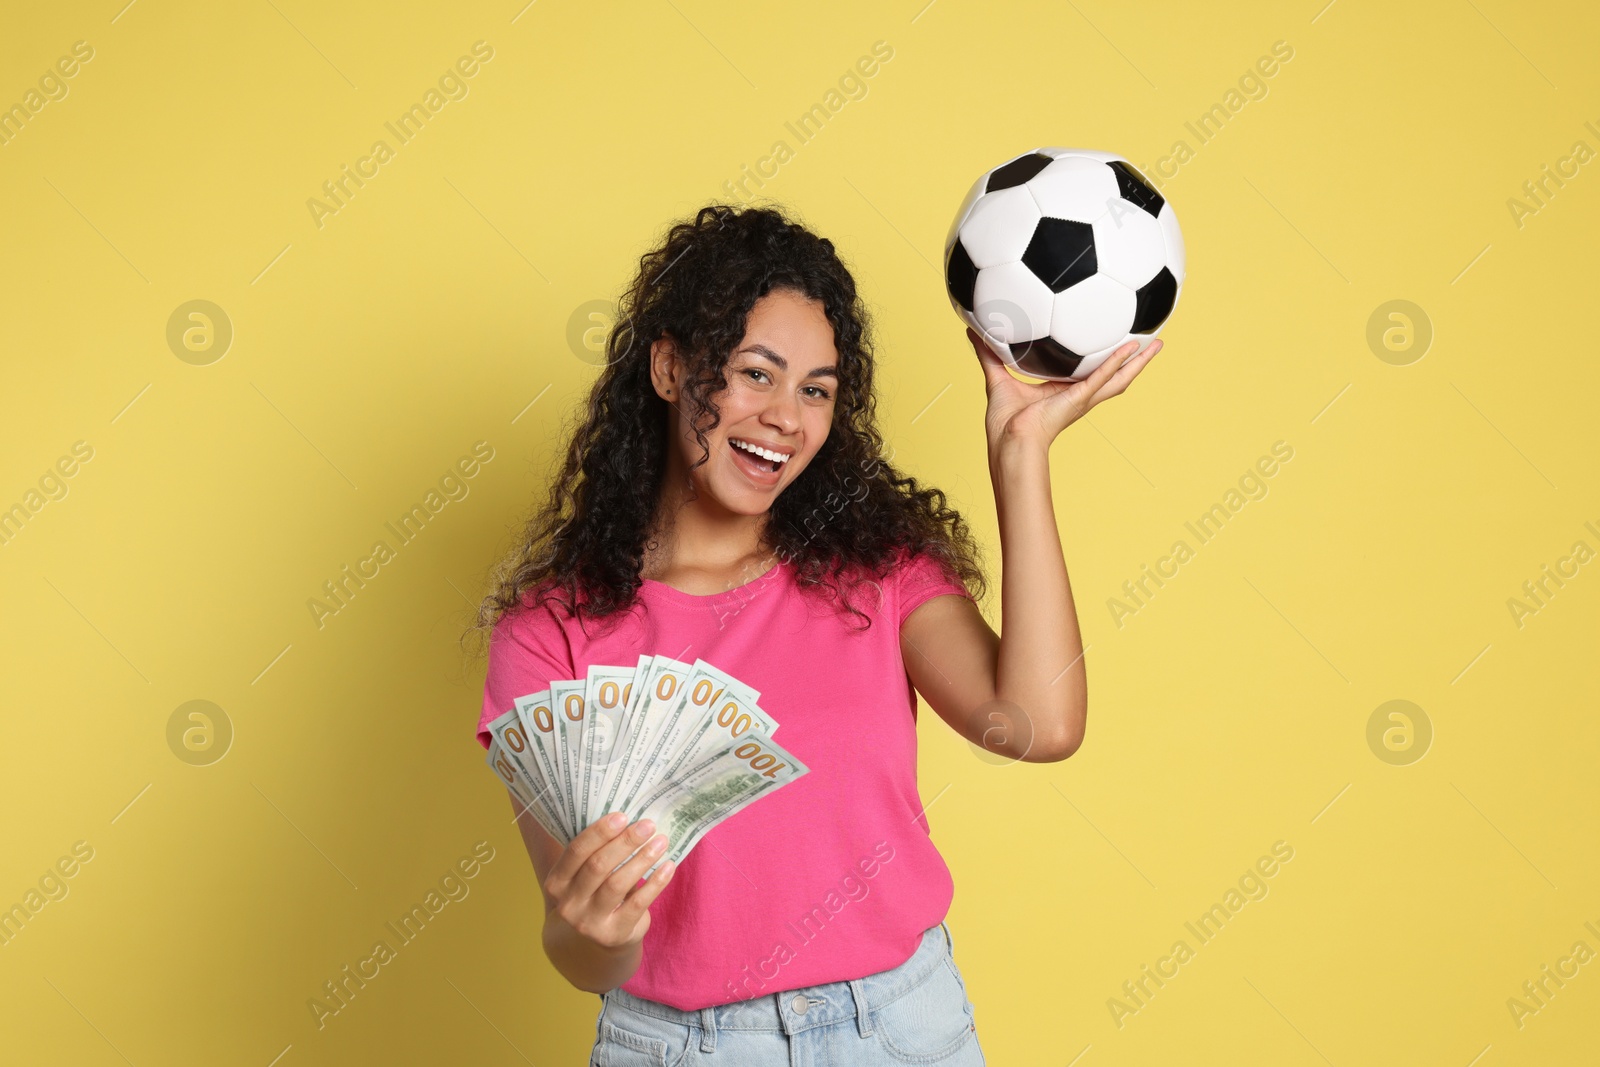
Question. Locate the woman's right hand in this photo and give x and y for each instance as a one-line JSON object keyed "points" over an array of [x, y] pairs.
{"points": [[603, 903]]}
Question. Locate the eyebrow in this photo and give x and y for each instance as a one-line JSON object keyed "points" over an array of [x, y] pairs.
{"points": [[783, 364]]}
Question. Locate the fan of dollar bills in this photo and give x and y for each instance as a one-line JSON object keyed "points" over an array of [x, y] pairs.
{"points": [[683, 744]]}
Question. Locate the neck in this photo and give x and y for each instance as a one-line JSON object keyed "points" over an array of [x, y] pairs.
{"points": [[699, 532]]}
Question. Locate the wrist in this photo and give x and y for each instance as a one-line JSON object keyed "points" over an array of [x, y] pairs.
{"points": [[1010, 451], [586, 964]]}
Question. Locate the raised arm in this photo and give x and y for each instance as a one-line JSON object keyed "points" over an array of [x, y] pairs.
{"points": [[1023, 694]]}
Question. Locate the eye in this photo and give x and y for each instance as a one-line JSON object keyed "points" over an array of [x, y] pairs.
{"points": [[820, 394]]}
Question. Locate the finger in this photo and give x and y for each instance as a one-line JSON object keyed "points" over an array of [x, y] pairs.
{"points": [[1113, 363], [639, 901], [604, 862], [1078, 397], [610, 892], [1067, 402], [993, 367], [1103, 372], [605, 859], [585, 843], [1092, 386], [1126, 373]]}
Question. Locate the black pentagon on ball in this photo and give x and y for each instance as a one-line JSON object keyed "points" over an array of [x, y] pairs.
{"points": [[1155, 300], [1017, 171], [1045, 358], [1135, 189], [960, 275], [1061, 253]]}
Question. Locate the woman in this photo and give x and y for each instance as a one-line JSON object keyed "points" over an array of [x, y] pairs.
{"points": [[726, 497]]}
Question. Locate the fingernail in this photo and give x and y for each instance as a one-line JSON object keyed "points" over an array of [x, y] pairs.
{"points": [[644, 826], [657, 845], [615, 820]]}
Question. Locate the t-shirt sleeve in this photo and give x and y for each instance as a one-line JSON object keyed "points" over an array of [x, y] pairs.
{"points": [[527, 650], [921, 579]]}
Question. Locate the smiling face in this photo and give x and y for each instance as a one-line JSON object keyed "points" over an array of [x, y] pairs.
{"points": [[782, 383]]}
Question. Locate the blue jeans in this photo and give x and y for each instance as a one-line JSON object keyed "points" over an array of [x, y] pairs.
{"points": [[915, 1013]]}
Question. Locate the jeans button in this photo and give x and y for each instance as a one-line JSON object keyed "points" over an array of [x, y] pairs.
{"points": [[800, 1004]]}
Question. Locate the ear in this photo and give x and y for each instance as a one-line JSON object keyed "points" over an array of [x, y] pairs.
{"points": [[666, 371]]}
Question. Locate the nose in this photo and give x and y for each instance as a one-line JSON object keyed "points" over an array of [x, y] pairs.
{"points": [[782, 413]]}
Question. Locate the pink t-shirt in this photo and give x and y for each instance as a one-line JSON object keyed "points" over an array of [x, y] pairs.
{"points": [[829, 878]]}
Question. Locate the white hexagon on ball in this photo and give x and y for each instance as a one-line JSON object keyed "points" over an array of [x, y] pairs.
{"points": [[999, 226], [1093, 314], [1073, 187], [1011, 304], [1172, 237], [1128, 243]]}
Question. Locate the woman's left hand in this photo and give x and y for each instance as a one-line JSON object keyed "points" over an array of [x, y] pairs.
{"points": [[1038, 412]]}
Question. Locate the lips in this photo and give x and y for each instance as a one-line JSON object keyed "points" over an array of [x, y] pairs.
{"points": [[755, 468]]}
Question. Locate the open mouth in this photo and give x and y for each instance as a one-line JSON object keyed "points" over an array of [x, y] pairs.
{"points": [[758, 465]]}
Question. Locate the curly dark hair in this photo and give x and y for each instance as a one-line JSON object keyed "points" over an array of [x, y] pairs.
{"points": [[848, 515]]}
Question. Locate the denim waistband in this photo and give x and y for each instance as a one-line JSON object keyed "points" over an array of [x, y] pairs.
{"points": [[795, 1010]]}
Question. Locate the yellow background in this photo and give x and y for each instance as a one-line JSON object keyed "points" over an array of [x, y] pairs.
{"points": [[370, 353]]}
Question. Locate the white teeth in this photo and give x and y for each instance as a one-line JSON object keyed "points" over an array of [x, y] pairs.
{"points": [[762, 452]]}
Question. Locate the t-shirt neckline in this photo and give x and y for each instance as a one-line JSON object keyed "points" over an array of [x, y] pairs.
{"points": [[675, 595]]}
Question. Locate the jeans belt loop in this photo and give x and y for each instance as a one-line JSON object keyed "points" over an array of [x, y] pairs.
{"points": [[708, 1029], [863, 1010]]}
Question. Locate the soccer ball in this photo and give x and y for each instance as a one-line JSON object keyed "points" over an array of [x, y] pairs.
{"points": [[1061, 255]]}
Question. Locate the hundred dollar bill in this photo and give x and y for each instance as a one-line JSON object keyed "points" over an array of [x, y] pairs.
{"points": [[507, 730], [544, 722], [662, 689], [729, 808], [521, 789], [697, 690], [566, 702], [716, 707], [609, 755], [677, 853], [607, 694], [539, 722], [721, 785]]}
